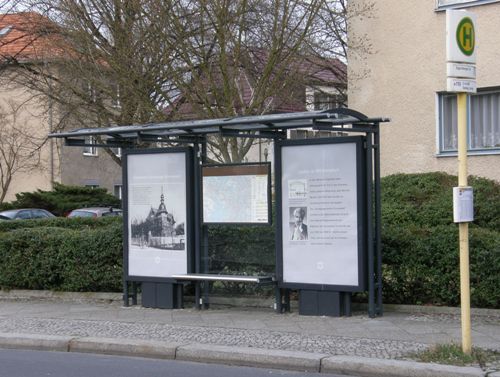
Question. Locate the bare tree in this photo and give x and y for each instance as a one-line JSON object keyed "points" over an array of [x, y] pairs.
{"points": [[8, 6], [19, 148], [137, 61]]}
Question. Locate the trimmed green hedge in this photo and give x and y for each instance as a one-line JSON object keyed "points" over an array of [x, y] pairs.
{"points": [[419, 244], [62, 254], [420, 241], [421, 266]]}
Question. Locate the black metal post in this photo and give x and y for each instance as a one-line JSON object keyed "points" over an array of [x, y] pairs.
{"points": [[197, 218], [206, 287], [378, 219], [204, 229], [134, 293], [369, 225], [125, 292]]}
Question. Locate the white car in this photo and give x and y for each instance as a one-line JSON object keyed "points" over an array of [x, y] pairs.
{"points": [[95, 212]]}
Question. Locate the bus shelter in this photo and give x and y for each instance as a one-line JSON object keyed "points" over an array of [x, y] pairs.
{"points": [[327, 194]]}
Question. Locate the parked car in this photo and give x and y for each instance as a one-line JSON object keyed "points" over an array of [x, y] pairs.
{"points": [[25, 213], [95, 212]]}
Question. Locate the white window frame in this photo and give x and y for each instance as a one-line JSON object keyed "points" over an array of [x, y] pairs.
{"points": [[456, 4], [120, 191], [91, 92], [90, 150], [313, 92], [116, 101], [440, 128]]}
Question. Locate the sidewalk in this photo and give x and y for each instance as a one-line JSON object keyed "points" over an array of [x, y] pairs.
{"points": [[356, 345]]}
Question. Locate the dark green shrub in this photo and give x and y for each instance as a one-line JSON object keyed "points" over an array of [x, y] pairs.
{"points": [[63, 199], [242, 249], [426, 200], [246, 250], [5, 206]]}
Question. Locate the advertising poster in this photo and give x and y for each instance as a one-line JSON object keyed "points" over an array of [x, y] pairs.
{"points": [[320, 214], [157, 214]]}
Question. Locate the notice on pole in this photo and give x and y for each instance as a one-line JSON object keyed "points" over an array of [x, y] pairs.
{"points": [[320, 214]]}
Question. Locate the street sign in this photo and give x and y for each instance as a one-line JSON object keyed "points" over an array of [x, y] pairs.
{"points": [[454, 84], [462, 70], [460, 51], [460, 36]]}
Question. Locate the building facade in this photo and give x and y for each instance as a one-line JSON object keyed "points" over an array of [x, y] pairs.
{"points": [[23, 43], [403, 77], [27, 117]]}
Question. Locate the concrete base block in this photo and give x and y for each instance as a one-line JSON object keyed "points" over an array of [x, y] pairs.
{"points": [[124, 347], [366, 367], [254, 357]]}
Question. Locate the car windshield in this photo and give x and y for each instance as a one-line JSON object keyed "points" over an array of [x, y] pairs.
{"points": [[81, 214], [9, 214]]}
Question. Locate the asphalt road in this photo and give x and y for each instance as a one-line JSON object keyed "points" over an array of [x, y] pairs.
{"points": [[22, 363]]}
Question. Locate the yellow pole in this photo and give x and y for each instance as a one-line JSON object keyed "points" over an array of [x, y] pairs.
{"points": [[463, 228]]}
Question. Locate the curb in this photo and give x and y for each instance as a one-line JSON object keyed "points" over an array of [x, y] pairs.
{"points": [[35, 342], [124, 347], [241, 356], [251, 357], [366, 367]]}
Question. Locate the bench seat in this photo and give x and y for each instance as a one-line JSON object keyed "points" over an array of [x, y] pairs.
{"points": [[229, 278]]}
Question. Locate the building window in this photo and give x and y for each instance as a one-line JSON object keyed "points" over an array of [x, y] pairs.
{"points": [[90, 149], [483, 121], [323, 98], [115, 100], [118, 191], [117, 152], [455, 4], [91, 92], [327, 101], [92, 186]]}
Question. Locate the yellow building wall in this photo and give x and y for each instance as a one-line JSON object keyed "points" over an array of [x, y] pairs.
{"points": [[33, 116], [405, 71]]}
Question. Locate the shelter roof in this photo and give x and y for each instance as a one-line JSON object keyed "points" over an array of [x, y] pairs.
{"points": [[265, 126]]}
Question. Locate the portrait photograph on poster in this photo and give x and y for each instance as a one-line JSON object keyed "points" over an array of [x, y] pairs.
{"points": [[297, 223], [156, 214], [320, 242]]}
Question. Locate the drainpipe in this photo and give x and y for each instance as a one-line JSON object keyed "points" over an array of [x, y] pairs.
{"points": [[51, 128]]}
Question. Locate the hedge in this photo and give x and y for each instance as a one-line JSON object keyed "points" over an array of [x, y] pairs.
{"points": [[419, 244], [79, 256], [421, 266]]}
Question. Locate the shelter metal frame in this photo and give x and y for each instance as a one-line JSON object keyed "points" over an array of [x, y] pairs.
{"points": [[273, 127]]}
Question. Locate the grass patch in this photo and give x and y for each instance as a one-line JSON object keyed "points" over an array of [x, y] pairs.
{"points": [[452, 354]]}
